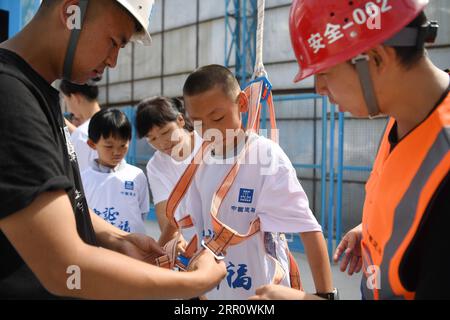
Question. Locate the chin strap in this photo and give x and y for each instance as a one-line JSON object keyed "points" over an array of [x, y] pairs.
{"points": [[361, 63], [73, 42], [407, 37]]}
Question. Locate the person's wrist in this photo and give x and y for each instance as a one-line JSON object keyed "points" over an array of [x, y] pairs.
{"points": [[333, 295], [111, 241]]}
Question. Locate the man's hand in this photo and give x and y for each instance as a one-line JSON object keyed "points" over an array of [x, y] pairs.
{"points": [[205, 264], [350, 246], [140, 247]]}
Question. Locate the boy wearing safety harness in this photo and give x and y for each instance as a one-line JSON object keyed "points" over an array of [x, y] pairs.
{"points": [[250, 211], [370, 69]]}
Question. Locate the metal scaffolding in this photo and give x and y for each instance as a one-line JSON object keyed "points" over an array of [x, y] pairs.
{"points": [[240, 37]]}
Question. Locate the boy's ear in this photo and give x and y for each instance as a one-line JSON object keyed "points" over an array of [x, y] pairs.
{"points": [[243, 102], [91, 144]]}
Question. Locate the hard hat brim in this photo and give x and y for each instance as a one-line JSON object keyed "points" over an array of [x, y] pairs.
{"points": [[143, 38]]}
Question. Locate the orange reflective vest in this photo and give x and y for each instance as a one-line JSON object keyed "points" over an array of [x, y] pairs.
{"points": [[398, 193]]}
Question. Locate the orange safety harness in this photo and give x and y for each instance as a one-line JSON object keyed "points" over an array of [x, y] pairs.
{"points": [[224, 236]]}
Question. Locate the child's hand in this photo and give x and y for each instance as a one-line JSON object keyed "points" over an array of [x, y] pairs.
{"points": [[350, 246]]}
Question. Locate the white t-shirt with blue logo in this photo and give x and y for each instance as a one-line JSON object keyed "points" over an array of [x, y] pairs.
{"points": [[266, 187], [120, 196], [163, 173]]}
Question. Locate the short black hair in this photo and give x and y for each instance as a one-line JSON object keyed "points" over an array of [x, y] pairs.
{"points": [[159, 111], [408, 56], [89, 92], [109, 122], [208, 77]]}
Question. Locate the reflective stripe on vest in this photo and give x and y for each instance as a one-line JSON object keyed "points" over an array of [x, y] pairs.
{"points": [[398, 193]]}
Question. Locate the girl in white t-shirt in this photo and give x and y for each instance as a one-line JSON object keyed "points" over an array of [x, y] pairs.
{"points": [[163, 122]]}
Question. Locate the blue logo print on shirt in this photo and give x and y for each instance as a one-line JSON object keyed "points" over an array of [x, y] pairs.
{"points": [[129, 185], [237, 277], [246, 195], [111, 215]]}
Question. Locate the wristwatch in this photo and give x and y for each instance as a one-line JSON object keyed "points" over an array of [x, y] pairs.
{"points": [[334, 295]]}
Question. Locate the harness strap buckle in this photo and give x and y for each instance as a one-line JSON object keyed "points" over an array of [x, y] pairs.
{"points": [[218, 257]]}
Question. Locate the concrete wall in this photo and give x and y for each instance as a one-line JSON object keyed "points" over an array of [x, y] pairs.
{"points": [[192, 33]]}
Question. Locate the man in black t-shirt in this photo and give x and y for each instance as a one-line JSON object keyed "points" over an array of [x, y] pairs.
{"points": [[50, 243]]}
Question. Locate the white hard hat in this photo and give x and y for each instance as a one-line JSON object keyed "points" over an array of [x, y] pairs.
{"points": [[141, 10]]}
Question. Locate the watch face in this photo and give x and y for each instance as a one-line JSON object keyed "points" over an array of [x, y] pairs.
{"points": [[329, 295], [335, 294]]}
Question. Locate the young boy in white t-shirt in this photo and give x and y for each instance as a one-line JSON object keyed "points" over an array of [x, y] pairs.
{"points": [[116, 191], [266, 188]]}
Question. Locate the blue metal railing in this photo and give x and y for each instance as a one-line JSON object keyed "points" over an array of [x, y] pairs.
{"points": [[330, 225], [240, 24], [326, 209], [340, 178]]}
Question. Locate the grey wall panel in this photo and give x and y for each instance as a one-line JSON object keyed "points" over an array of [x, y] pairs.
{"points": [[147, 60], [352, 205], [102, 95], [282, 76], [120, 93], [212, 42], [277, 43], [173, 86], [296, 139], [179, 13], [210, 9], [147, 88], [179, 50], [297, 109], [440, 57], [122, 72], [273, 3]]}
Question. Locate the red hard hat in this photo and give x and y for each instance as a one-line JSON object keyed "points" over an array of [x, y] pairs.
{"points": [[328, 32]]}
